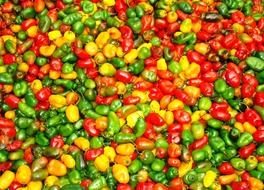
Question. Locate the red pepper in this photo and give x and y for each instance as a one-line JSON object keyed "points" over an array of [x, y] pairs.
{"points": [[195, 82], [172, 28], [215, 45], [15, 185], [42, 105], [166, 86], [8, 123], [203, 36], [181, 95], [146, 21], [182, 15], [175, 162], [155, 94], [123, 76], [161, 153], [121, 186], [166, 75], [85, 63], [206, 66], [9, 59], [7, 7], [232, 78], [126, 32], [240, 117], [56, 64], [250, 79], [43, 94], [259, 136], [176, 184], [92, 154], [226, 168], [28, 156], [89, 126], [81, 53], [143, 85], [220, 114], [109, 99], [155, 119], [33, 69], [131, 100], [85, 183], [229, 40], [210, 76], [120, 5], [261, 24], [240, 185], [127, 44], [150, 131], [26, 24], [175, 127], [200, 143], [174, 137], [14, 146], [253, 117], [5, 166], [145, 186], [182, 117], [92, 73], [238, 17], [12, 101], [57, 141], [161, 23], [246, 151], [245, 176], [259, 99], [156, 52], [196, 57]]}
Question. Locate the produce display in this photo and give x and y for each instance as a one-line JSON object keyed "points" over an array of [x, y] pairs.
{"points": [[131, 95]]}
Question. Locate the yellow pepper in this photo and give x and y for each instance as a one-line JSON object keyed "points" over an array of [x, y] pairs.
{"points": [[102, 39], [184, 62], [119, 52], [238, 28], [202, 48], [102, 163], [120, 173], [109, 3], [192, 71], [239, 126], [123, 160], [71, 76], [8, 88], [57, 168], [72, 113], [91, 48], [55, 34], [114, 33], [34, 185], [154, 106], [47, 51], [60, 41], [192, 91], [142, 95], [185, 167], [110, 153], [142, 176], [249, 128], [9, 37], [133, 117], [69, 35], [131, 56], [125, 149], [169, 117], [51, 180], [68, 160], [23, 174], [82, 143], [15, 28], [196, 27], [148, 8], [32, 31], [245, 38], [109, 51], [255, 183], [54, 74], [172, 17], [10, 114], [23, 67], [107, 69], [57, 101], [161, 64], [197, 115], [209, 178], [175, 105], [162, 113], [2, 69], [36, 85], [6, 179], [121, 87], [186, 26]]}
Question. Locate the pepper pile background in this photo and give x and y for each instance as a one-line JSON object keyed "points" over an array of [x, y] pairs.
{"points": [[158, 94]]}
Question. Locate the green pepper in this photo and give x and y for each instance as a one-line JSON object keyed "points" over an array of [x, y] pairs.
{"points": [[51, 152], [118, 62], [130, 12], [199, 155], [203, 167], [230, 153], [3, 156], [174, 67], [20, 88], [260, 110], [257, 174], [149, 76], [190, 177], [70, 57], [124, 138], [147, 157], [96, 142], [10, 46], [115, 105], [161, 143], [157, 176], [185, 7], [144, 53], [113, 123], [72, 187], [247, 9], [225, 136], [111, 181], [251, 163], [27, 110], [187, 137], [17, 155], [135, 166], [157, 165], [21, 134], [260, 150], [172, 173], [135, 24], [78, 27], [53, 121], [245, 139], [98, 184], [255, 63], [28, 13], [67, 68], [220, 85], [185, 38], [197, 130], [217, 159], [40, 175], [101, 15], [136, 67], [229, 93], [66, 130], [72, 18], [238, 163], [87, 6], [41, 139], [93, 114], [29, 141], [102, 109], [217, 144], [259, 54], [140, 127], [23, 122], [260, 166], [214, 123], [68, 84]]}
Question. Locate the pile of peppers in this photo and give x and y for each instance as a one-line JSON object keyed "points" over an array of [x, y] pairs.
{"points": [[131, 95]]}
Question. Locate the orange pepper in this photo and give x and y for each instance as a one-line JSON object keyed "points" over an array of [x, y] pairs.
{"points": [[123, 160]]}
